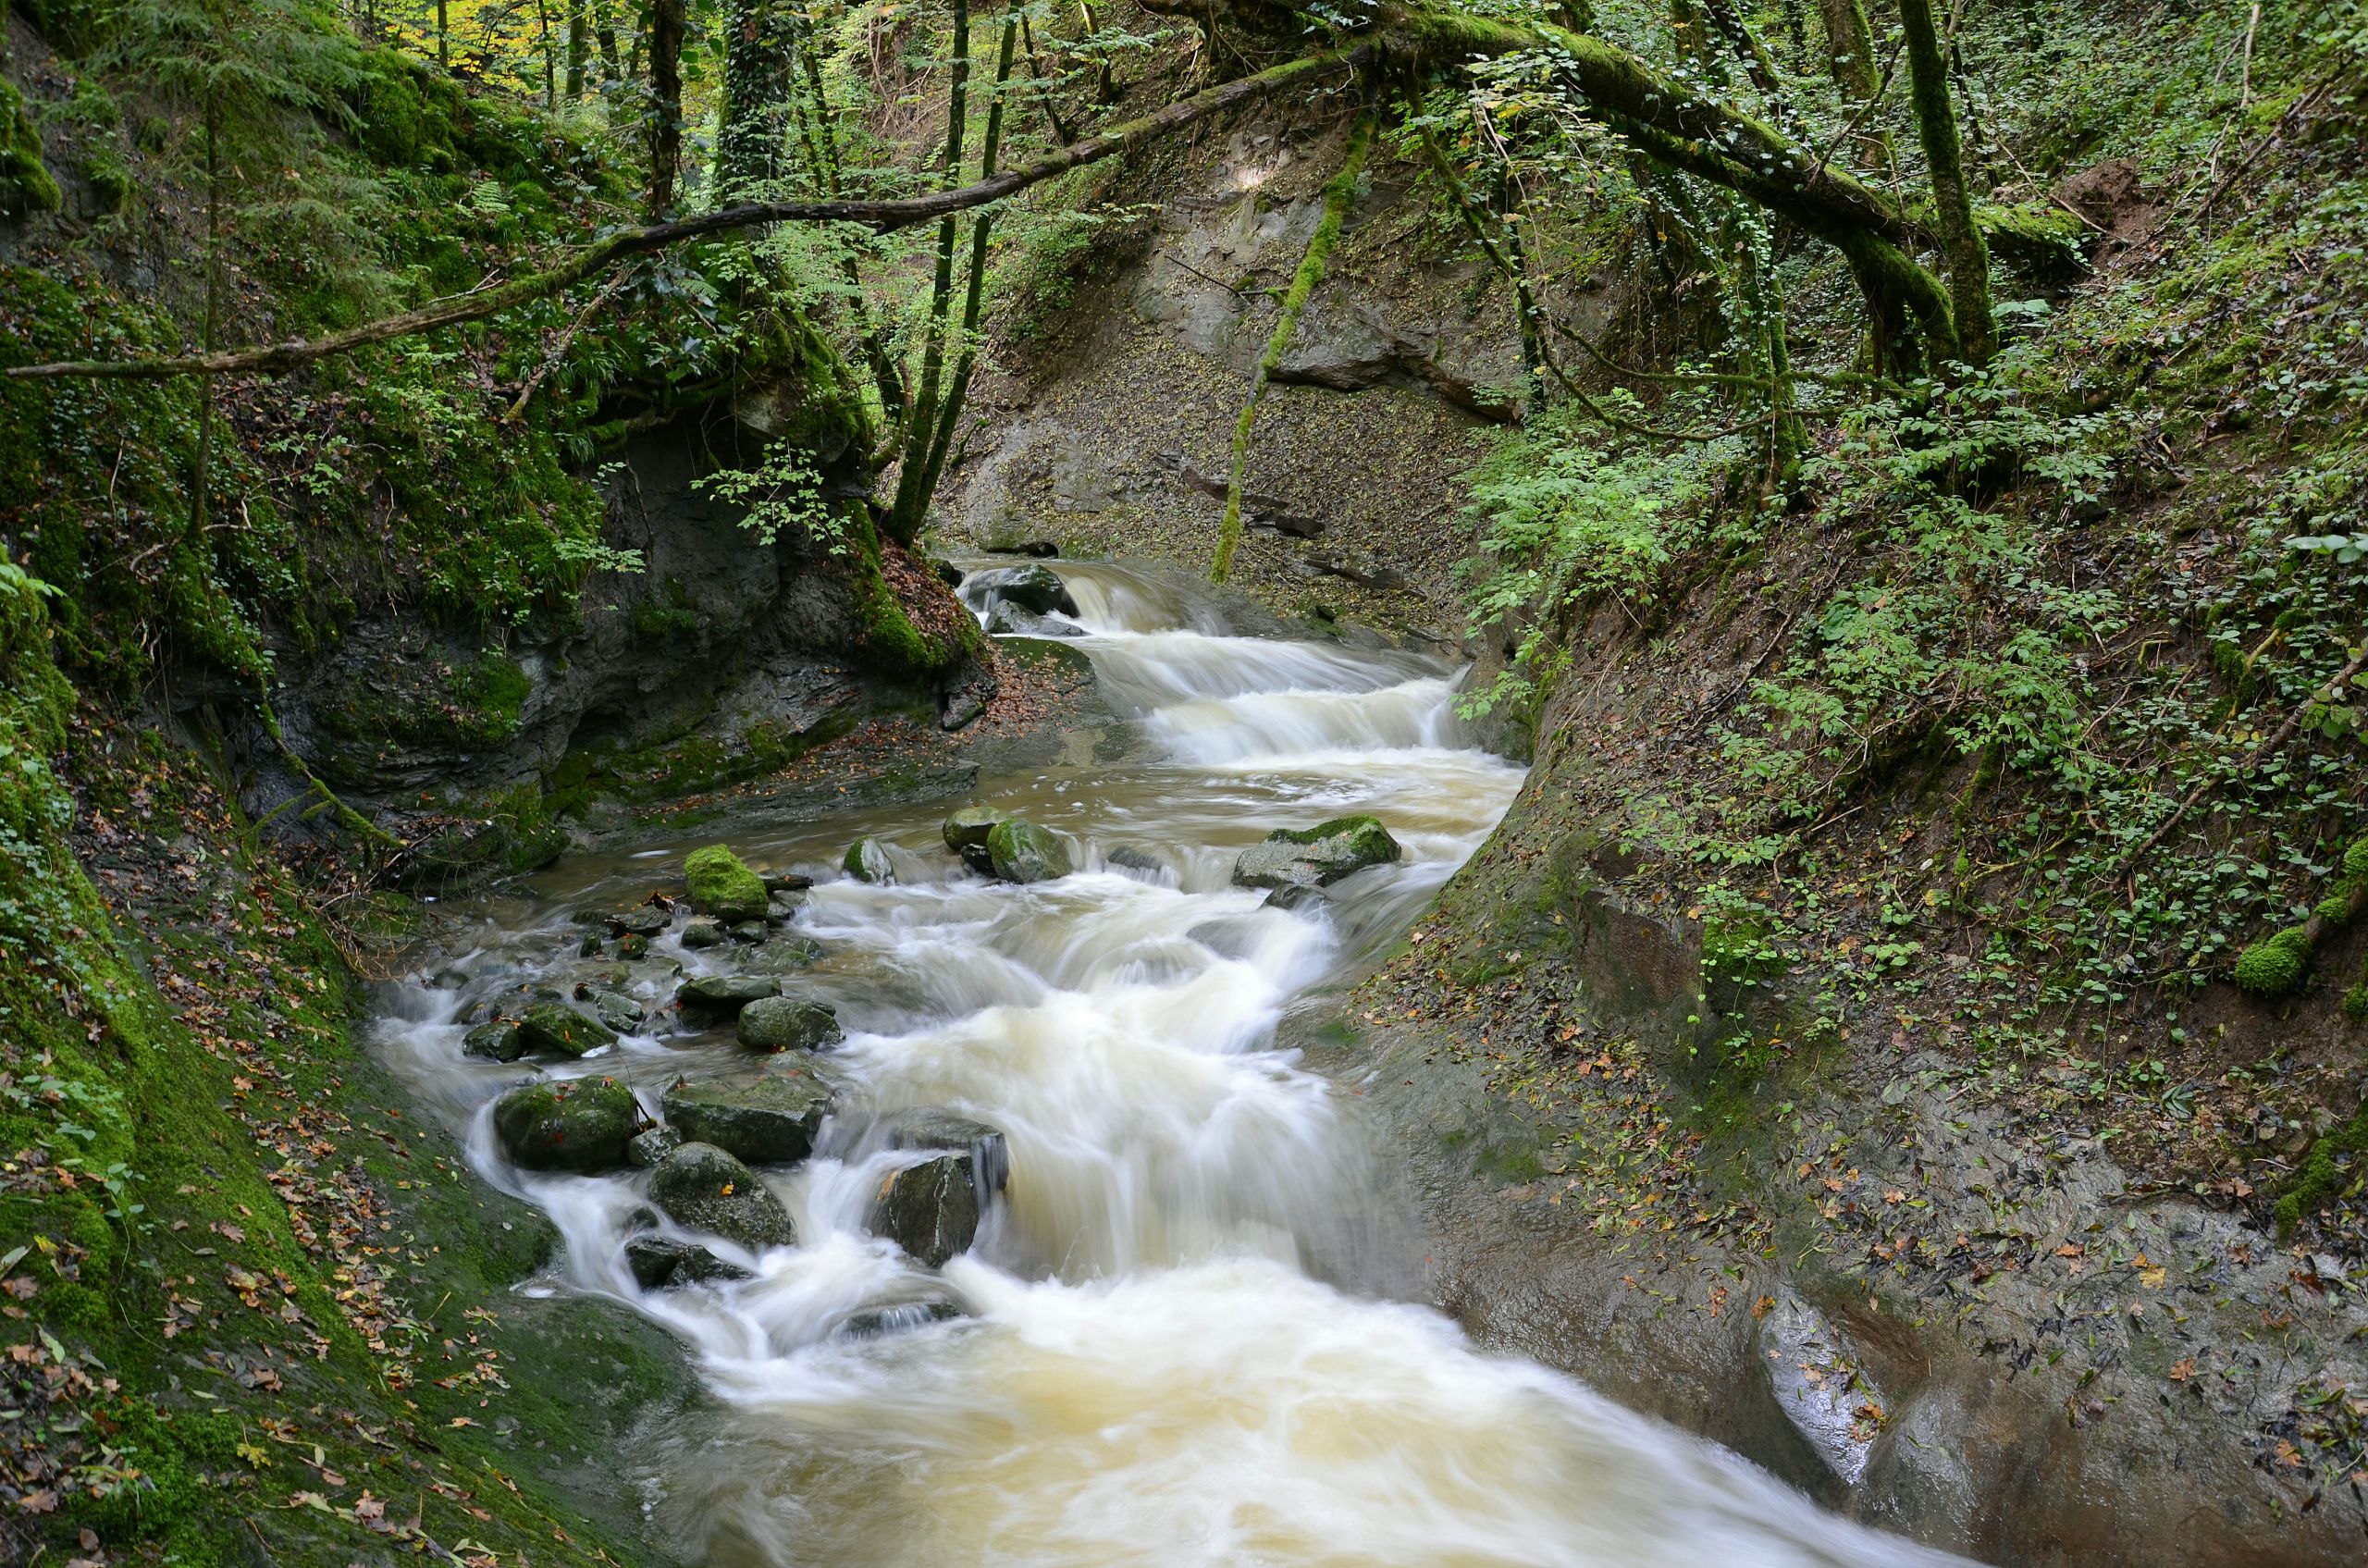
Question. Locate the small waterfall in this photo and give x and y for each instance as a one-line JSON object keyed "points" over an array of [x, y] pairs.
{"points": [[1149, 1366]]}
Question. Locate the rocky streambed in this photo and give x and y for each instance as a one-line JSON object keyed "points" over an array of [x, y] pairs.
{"points": [[957, 1146]]}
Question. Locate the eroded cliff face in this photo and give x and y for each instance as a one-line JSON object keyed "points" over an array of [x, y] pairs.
{"points": [[726, 656], [1112, 433]]}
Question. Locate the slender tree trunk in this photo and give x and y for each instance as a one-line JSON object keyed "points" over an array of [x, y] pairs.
{"points": [[1061, 132], [822, 153], [960, 389], [604, 34], [443, 36], [905, 517], [551, 57], [1936, 127], [579, 48], [666, 25], [1339, 193]]}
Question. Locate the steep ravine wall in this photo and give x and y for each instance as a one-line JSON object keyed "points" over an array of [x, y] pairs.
{"points": [[2078, 1368]]}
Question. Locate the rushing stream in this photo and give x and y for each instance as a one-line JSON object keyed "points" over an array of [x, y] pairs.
{"points": [[1174, 1343]]}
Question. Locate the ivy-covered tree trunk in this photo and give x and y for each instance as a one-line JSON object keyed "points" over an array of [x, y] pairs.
{"points": [[1936, 127], [756, 93], [667, 21]]}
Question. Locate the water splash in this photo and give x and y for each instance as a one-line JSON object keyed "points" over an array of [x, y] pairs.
{"points": [[1151, 1367]]}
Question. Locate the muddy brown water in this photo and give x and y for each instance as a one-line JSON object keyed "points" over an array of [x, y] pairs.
{"points": [[1179, 1342]]}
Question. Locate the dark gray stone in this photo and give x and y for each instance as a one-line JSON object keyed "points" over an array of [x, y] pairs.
{"points": [[497, 1042], [579, 1124], [556, 1030], [772, 1121], [658, 1264], [1036, 589], [725, 993], [703, 932], [788, 1023], [650, 1148], [702, 1188]]}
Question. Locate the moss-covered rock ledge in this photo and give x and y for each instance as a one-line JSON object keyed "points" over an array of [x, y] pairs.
{"points": [[256, 1307]]}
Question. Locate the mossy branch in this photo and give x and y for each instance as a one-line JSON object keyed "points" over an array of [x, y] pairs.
{"points": [[1337, 194], [883, 216]]}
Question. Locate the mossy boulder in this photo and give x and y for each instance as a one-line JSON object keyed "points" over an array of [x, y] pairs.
{"points": [[495, 1042], [555, 1029], [724, 995], [703, 1187], [1035, 588], [1023, 852], [967, 830], [2355, 859], [788, 1023], [2273, 965], [573, 1124], [867, 859], [1316, 856], [721, 886], [772, 1121]]}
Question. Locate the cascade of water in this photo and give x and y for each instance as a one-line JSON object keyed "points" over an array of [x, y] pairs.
{"points": [[1148, 1368]]}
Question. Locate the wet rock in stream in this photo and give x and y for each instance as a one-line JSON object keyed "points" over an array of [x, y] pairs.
{"points": [[647, 1150], [658, 1264], [701, 1187], [788, 1023], [899, 1317], [495, 1042], [722, 995], [1316, 856], [966, 834], [722, 886], [703, 932], [1010, 621], [1023, 852], [554, 1029], [1035, 588], [867, 859], [574, 1124], [772, 1121], [931, 1209]]}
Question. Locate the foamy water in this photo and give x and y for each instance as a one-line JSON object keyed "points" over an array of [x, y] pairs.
{"points": [[1170, 1352]]}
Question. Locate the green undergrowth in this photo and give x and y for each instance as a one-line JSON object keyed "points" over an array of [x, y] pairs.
{"points": [[249, 1303]]}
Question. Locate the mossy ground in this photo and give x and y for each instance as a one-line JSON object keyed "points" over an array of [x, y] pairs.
{"points": [[254, 1305]]}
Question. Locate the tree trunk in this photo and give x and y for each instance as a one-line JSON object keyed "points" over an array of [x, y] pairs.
{"points": [[1850, 53], [1936, 127], [443, 36], [551, 57], [911, 507], [579, 48], [960, 389], [755, 88], [666, 24], [604, 34]]}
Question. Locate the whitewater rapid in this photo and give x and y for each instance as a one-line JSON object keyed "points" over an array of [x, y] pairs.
{"points": [[1176, 1343]]}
